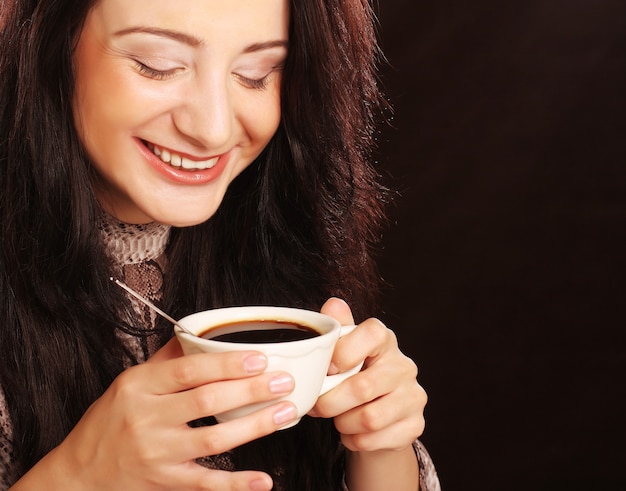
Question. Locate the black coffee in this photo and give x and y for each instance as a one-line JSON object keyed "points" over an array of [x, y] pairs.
{"points": [[260, 332]]}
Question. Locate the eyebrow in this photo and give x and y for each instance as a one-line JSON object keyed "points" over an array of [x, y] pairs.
{"points": [[266, 45], [167, 33], [194, 41]]}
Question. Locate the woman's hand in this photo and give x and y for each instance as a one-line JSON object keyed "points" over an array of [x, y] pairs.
{"points": [[136, 435], [379, 411]]}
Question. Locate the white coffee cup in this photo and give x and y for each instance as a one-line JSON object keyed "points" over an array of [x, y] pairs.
{"points": [[306, 360]]}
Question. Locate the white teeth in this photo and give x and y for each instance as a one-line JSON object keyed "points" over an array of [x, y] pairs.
{"points": [[177, 161], [188, 164]]}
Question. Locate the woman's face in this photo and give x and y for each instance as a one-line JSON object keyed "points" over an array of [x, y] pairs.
{"points": [[174, 99]]}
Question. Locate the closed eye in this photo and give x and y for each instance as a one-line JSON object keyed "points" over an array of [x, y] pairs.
{"points": [[258, 83], [254, 83], [148, 71]]}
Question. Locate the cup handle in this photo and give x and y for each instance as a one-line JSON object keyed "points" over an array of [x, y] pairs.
{"points": [[332, 381]]}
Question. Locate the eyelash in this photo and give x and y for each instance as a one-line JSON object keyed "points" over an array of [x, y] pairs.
{"points": [[260, 83], [153, 73], [257, 84]]}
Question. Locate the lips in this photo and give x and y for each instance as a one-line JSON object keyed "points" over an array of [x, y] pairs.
{"points": [[178, 161]]}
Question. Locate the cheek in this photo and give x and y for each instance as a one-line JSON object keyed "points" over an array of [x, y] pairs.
{"points": [[263, 121], [110, 97], [101, 101]]}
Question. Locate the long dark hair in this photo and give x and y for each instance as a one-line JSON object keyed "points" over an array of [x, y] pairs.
{"points": [[296, 227]]}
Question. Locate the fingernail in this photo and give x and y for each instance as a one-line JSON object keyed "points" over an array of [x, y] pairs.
{"points": [[254, 363], [284, 415], [281, 384]]}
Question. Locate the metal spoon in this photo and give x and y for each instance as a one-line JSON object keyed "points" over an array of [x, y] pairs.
{"points": [[152, 306]]}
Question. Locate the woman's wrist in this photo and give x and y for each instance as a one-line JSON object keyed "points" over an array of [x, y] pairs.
{"points": [[382, 469], [53, 472]]}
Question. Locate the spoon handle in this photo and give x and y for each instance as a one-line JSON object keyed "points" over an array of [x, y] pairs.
{"points": [[151, 305]]}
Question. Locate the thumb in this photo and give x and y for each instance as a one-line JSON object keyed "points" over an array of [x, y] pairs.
{"points": [[338, 309]]}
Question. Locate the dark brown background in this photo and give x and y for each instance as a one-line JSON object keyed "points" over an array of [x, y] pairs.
{"points": [[506, 256]]}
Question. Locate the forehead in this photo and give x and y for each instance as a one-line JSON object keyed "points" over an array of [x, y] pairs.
{"points": [[210, 21]]}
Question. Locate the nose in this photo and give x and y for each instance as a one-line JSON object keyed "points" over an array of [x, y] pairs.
{"points": [[206, 114]]}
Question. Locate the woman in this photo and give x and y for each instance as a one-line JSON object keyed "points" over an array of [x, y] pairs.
{"points": [[209, 153]]}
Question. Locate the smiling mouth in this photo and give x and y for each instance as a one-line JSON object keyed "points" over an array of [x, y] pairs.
{"points": [[178, 161]]}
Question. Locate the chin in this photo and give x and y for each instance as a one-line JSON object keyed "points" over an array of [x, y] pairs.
{"points": [[181, 220]]}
